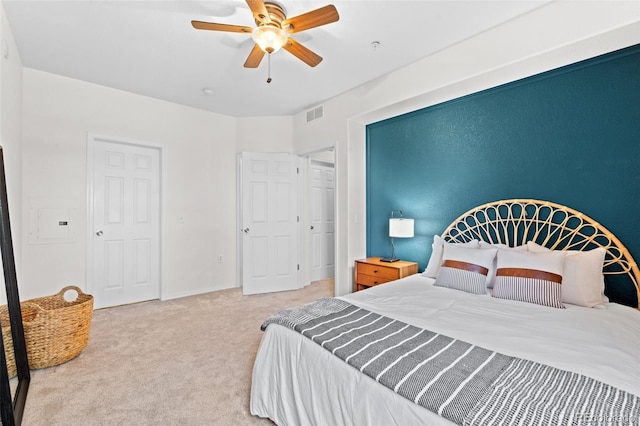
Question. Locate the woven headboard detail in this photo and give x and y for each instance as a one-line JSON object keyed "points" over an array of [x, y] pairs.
{"points": [[514, 222]]}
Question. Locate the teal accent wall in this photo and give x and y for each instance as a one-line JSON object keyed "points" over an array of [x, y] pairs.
{"points": [[570, 135]]}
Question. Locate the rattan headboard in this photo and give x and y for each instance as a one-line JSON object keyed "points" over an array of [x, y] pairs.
{"points": [[514, 222]]}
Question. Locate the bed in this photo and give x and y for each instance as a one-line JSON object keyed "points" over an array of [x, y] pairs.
{"points": [[582, 354]]}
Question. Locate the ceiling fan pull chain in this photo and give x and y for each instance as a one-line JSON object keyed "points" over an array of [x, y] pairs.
{"points": [[269, 68]]}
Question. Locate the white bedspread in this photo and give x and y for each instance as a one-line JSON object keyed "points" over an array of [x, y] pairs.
{"points": [[296, 382]]}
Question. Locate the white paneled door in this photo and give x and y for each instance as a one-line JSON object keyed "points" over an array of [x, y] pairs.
{"points": [[125, 266], [269, 222], [322, 223]]}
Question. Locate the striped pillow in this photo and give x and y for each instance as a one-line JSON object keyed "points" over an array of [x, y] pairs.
{"points": [[465, 268], [492, 278], [582, 279], [530, 277]]}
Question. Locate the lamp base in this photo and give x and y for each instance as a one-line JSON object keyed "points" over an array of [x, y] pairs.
{"points": [[389, 259]]}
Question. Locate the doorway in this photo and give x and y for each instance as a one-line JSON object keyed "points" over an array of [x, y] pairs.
{"points": [[321, 214], [123, 238]]}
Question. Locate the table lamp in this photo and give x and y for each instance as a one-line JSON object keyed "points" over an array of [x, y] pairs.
{"points": [[399, 227]]}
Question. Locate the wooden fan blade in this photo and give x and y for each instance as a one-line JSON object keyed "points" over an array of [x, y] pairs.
{"points": [[259, 11], [302, 53], [315, 18], [199, 25], [254, 58]]}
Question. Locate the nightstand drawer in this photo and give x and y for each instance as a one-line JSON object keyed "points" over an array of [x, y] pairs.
{"points": [[369, 280], [378, 271]]}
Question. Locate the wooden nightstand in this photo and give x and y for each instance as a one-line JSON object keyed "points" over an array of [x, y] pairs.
{"points": [[371, 272]]}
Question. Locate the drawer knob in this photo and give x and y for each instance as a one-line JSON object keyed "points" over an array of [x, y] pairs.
{"points": [[375, 271]]}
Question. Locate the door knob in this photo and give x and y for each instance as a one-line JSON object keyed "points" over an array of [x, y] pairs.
{"points": [[245, 230], [99, 233], [312, 227]]}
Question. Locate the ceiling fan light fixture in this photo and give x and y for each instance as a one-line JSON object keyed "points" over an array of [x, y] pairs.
{"points": [[269, 38]]}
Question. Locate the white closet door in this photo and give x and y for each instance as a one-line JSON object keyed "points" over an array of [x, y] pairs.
{"points": [[322, 221], [126, 223], [269, 222]]}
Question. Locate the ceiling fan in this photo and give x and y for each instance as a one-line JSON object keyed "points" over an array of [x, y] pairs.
{"points": [[273, 30]]}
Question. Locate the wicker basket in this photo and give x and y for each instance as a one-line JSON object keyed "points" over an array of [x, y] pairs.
{"points": [[7, 340], [55, 330]]}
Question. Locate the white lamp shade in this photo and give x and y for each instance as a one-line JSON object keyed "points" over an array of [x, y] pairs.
{"points": [[401, 228], [269, 38]]}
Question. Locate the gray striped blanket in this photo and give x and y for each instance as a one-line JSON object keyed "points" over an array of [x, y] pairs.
{"points": [[464, 383]]}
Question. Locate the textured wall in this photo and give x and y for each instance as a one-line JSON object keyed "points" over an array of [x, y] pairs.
{"points": [[571, 135]]}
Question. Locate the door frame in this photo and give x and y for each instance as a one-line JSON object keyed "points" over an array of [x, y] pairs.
{"points": [[91, 139]]}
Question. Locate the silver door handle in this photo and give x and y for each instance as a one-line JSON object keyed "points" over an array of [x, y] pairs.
{"points": [[245, 230], [99, 233]]}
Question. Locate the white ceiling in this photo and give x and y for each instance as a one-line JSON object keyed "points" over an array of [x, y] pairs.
{"points": [[150, 48]]}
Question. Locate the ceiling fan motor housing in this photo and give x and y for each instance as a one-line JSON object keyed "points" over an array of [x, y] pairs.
{"points": [[277, 14]]}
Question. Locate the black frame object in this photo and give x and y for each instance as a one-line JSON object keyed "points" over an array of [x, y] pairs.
{"points": [[11, 411]]}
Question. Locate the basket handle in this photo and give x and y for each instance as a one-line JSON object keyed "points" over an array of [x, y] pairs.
{"points": [[67, 288], [5, 311], [35, 306]]}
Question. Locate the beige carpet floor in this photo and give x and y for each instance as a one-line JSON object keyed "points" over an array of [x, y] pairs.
{"points": [[179, 362]]}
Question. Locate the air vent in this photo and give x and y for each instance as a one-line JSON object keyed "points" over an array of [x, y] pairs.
{"points": [[315, 113]]}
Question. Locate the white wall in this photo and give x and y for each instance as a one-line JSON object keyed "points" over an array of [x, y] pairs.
{"points": [[199, 177], [558, 34], [10, 136], [325, 156], [265, 134]]}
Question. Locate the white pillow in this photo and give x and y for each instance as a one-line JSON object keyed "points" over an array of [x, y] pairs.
{"points": [[433, 266], [582, 279], [465, 268], [530, 277], [537, 248], [483, 244]]}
